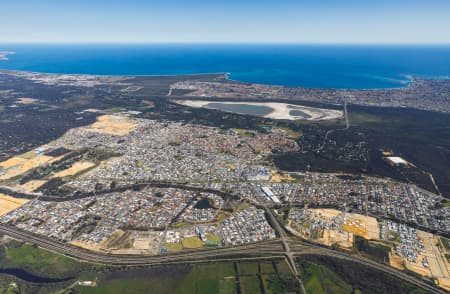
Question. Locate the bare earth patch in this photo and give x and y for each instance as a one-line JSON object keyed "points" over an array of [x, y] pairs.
{"points": [[74, 169], [276, 177], [112, 124], [17, 165], [31, 186], [8, 203], [26, 100]]}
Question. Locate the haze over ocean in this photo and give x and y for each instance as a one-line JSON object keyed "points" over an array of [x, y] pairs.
{"points": [[322, 66]]}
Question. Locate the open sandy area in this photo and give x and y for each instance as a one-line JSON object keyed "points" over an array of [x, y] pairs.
{"points": [[395, 261], [12, 162], [8, 203], [74, 169], [17, 165], [31, 186], [276, 177], [364, 226], [343, 239], [279, 110], [26, 100], [326, 213], [112, 124], [88, 246]]}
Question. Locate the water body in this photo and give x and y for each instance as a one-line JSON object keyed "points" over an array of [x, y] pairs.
{"points": [[203, 204], [299, 113], [257, 110], [320, 66], [28, 277]]}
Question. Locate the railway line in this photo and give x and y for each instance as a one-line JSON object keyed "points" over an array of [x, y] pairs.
{"points": [[267, 249]]}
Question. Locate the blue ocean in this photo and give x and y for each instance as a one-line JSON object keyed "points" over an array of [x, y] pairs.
{"points": [[319, 66]]}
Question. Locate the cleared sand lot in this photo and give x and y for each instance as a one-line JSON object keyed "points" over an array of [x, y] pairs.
{"points": [[364, 226], [112, 124], [343, 239], [74, 169], [279, 110], [26, 100], [31, 186], [352, 224], [276, 177], [8, 203], [17, 165]]}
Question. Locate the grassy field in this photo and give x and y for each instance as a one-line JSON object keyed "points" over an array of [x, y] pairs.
{"points": [[248, 268], [202, 278], [192, 243], [318, 279], [173, 246], [325, 272], [38, 261], [446, 244], [373, 250]]}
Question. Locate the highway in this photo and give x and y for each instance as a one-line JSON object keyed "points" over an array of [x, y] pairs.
{"points": [[273, 249], [287, 250], [318, 250]]}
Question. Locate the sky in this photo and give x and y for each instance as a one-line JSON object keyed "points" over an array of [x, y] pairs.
{"points": [[225, 21]]}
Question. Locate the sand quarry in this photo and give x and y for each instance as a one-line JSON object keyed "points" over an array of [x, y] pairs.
{"points": [[279, 110]]}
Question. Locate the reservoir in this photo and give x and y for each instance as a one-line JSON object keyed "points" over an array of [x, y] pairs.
{"points": [[249, 109], [203, 204], [299, 113], [272, 110], [28, 277]]}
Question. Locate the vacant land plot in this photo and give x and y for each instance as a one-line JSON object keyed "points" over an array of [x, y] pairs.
{"points": [[373, 249], [326, 213], [363, 226], [173, 247], [8, 203], [277, 177], [32, 185], [192, 243], [74, 169], [12, 162], [17, 165], [88, 246], [112, 124], [343, 239], [27, 100]]}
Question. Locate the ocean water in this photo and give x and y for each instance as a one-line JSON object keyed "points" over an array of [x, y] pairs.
{"points": [[319, 66]]}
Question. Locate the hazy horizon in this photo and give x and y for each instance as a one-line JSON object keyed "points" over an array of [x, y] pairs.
{"points": [[225, 22]]}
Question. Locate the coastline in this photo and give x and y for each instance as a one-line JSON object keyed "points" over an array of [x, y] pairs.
{"points": [[224, 75]]}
